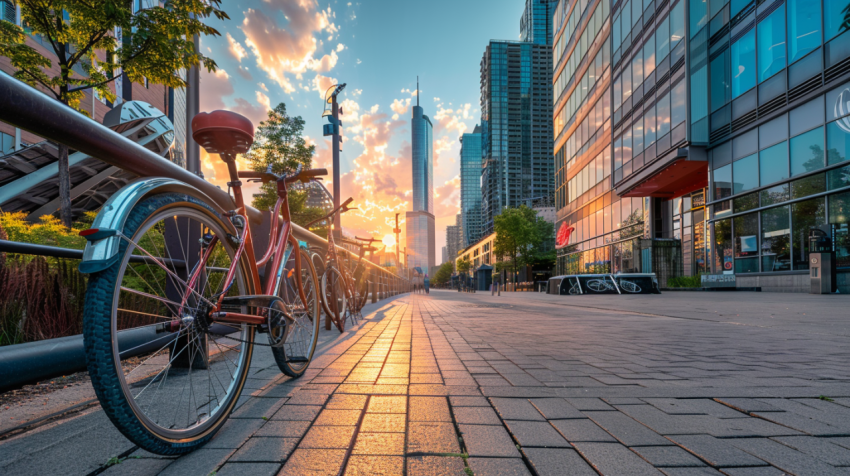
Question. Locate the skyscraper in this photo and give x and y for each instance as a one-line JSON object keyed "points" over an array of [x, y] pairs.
{"points": [[516, 126], [535, 25], [470, 187], [419, 223], [454, 238]]}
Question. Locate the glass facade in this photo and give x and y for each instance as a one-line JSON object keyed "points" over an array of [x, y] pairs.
{"points": [[422, 142], [775, 183], [470, 188], [516, 126], [420, 235], [535, 25]]}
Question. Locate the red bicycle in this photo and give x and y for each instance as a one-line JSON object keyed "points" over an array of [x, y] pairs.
{"points": [[174, 273]]}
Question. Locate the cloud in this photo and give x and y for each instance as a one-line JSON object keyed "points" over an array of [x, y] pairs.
{"points": [[290, 48], [244, 73], [236, 48], [255, 113], [264, 100], [322, 84], [216, 87], [400, 106], [447, 198], [340, 47]]}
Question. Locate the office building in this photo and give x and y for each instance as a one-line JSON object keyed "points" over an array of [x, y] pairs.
{"points": [[454, 238], [419, 223], [702, 137], [516, 126], [535, 25], [470, 187]]}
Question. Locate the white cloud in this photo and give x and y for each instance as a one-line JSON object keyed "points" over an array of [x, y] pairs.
{"points": [[236, 49]]}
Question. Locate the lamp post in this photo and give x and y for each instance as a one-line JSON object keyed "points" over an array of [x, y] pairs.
{"points": [[333, 129]]}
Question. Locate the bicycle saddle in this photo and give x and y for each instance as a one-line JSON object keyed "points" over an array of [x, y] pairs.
{"points": [[223, 132]]}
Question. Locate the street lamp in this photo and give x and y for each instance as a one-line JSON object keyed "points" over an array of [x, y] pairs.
{"points": [[333, 129]]}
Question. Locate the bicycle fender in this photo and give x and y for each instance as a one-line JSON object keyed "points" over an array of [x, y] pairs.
{"points": [[102, 249]]}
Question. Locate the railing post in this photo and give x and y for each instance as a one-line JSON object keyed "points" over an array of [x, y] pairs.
{"points": [[373, 286]]}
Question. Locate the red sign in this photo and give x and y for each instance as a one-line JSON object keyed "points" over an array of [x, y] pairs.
{"points": [[562, 239]]}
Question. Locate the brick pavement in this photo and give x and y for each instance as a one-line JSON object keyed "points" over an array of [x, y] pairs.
{"points": [[551, 385]]}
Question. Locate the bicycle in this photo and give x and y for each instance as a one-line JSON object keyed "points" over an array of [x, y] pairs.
{"points": [[175, 275]]}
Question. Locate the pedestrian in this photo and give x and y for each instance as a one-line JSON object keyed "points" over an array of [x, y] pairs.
{"points": [[427, 285], [492, 289]]}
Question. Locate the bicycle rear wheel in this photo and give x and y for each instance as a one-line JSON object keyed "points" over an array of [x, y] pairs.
{"points": [[333, 291], [295, 355], [175, 383]]}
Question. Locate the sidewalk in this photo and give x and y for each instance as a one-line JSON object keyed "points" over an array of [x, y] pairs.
{"points": [[457, 384]]}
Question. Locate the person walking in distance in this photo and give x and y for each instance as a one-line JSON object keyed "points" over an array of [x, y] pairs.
{"points": [[427, 284]]}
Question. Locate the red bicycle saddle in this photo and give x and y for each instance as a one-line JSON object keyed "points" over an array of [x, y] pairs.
{"points": [[223, 132]]}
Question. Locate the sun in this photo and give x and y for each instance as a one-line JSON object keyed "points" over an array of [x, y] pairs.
{"points": [[389, 240]]}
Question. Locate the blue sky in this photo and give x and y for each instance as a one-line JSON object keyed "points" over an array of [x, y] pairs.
{"points": [[286, 50]]}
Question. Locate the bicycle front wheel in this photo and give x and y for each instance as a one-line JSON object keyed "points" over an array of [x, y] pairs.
{"points": [[302, 333], [333, 291], [165, 374]]}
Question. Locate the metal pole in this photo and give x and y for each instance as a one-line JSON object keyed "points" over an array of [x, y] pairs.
{"points": [[397, 230], [335, 142]]}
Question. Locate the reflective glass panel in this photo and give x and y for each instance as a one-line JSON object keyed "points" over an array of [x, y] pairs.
{"points": [[807, 152], [803, 28], [838, 141], [771, 44], [773, 163], [804, 216], [744, 64], [745, 174], [776, 239]]}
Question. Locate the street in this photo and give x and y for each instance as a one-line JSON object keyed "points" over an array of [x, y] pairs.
{"points": [[685, 383]]}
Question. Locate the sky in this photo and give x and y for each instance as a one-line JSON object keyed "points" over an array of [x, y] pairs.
{"points": [[291, 51]]}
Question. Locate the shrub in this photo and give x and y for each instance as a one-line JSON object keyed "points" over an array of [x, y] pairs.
{"points": [[684, 282]]}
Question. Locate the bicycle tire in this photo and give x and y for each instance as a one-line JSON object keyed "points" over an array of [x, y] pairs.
{"points": [[100, 323], [333, 291], [308, 322]]}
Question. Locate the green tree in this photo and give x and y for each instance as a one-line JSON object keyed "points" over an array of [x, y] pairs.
{"points": [[279, 143], [463, 265], [444, 274], [517, 235], [155, 44]]}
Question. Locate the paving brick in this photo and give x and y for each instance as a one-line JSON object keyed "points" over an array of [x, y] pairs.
{"points": [[536, 433], [365, 465], [435, 466], [346, 402], [819, 448], [626, 430], [233, 433], [589, 404], [265, 449], [469, 402], [310, 462], [717, 452], [297, 412], [582, 430], [756, 471], [249, 469], [429, 409], [498, 467], [701, 471], [785, 458], [432, 437], [614, 458], [327, 437], [289, 429], [338, 418], [556, 408], [476, 416], [201, 461], [390, 444], [384, 422], [308, 398], [138, 467], [661, 456], [557, 462], [748, 405], [482, 440], [516, 409]]}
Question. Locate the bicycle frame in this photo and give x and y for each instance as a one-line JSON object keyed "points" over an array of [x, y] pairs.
{"points": [[281, 243]]}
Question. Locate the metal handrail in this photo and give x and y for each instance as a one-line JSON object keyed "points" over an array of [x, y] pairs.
{"points": [[26, 108]]}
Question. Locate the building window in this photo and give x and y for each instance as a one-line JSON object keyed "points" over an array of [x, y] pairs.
{"points": [[807, 152], [805, 216], [804, 33], [773, 163], [776, 239], [837, 141], [746, 174], [839, 220], [744, 64], [833, 16], [771, 44], [746, 243]]}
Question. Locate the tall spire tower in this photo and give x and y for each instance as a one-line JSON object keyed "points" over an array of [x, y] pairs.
{"points": [[420, 225]]}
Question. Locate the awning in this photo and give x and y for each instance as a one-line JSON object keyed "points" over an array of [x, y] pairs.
{"points": [[678, 173]]}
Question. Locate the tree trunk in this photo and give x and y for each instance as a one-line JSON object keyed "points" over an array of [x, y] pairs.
{"points": [[64, 186]]}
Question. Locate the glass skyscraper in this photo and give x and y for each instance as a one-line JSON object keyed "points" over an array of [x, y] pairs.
{"points": [[535, 25], [470, 187], [420, 228], [516, 126]]}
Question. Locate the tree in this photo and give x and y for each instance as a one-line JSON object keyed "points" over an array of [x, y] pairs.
{"points": [[463, 265], [444, 274], [155, 44], [516, 237], [279, 143]]}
